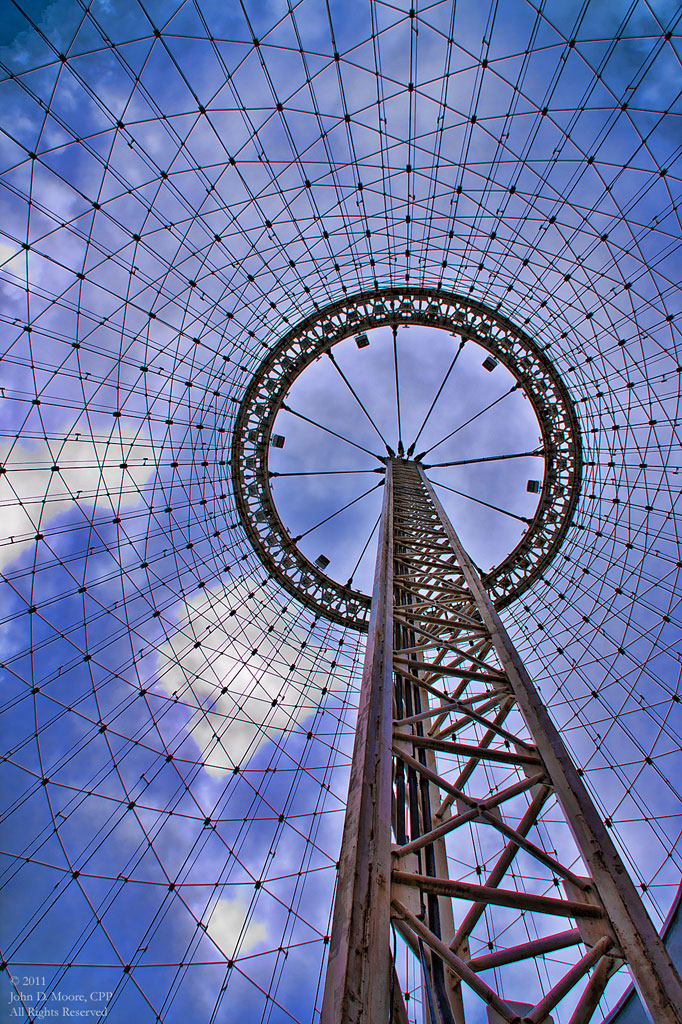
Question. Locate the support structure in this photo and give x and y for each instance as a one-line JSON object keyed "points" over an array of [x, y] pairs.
{"points": [[453, 740]]}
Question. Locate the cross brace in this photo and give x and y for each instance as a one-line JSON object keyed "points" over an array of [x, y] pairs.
{"points": [[480, 888]]}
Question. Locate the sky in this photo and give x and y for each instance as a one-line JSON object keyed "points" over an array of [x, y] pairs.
{"points": [[424, 357], [182, 183]]}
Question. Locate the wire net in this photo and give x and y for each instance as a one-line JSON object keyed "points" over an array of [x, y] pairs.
{"points": [[184, 182]]}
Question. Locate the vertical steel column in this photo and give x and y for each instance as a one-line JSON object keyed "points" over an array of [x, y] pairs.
{"points": [[446, 696], [359, 972]]}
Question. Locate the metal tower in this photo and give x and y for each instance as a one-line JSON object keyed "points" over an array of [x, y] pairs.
{"points": [[454, 740]]}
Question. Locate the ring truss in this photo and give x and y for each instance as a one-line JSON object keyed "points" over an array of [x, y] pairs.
{"points": [[268, 390], [182, 183]]}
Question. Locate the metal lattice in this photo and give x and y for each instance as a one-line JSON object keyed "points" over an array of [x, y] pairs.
{"points": [[456, 753], [183, 184]]}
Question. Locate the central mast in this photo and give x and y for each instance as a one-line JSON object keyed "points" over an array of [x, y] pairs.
{"points": [[453, 740]]}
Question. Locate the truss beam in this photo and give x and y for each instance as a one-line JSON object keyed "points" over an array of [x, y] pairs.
{"points": [[432, 621]]}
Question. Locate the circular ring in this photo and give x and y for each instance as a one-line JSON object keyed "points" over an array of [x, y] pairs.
{"points": [[463, 317]]}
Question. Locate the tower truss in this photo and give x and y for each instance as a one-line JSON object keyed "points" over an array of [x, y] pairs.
{"points": [[454, 742]]}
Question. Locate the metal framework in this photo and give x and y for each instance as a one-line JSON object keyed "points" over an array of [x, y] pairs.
{"points": [[454, 740], [467, 320], [186, 186]]}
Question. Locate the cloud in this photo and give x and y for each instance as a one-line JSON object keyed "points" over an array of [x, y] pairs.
{"points": [[228, 927], [235, 678], [43, 479]]}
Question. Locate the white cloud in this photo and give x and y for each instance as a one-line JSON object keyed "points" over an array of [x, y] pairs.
{"points": [[262, 697], [14, 259], [91, 471], [227, 923]]}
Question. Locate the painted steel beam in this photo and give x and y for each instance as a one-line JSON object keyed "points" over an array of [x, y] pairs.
{"points": [[358, 981]]}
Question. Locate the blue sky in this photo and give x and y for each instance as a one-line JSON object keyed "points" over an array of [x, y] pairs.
{"points": [[424, 357], [172, 204]]}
